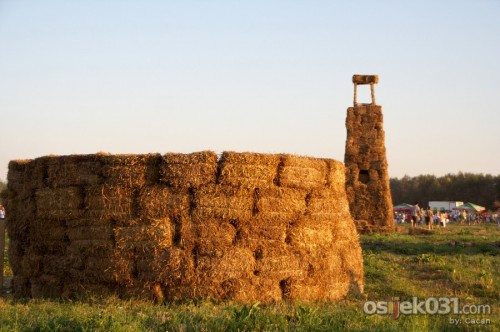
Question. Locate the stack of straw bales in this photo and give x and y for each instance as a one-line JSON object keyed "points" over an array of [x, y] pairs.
{"points": [[248, 227], [367, 179]]}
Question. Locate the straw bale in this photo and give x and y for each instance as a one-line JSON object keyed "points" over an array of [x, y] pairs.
{"points": [[21, 286], [284, 268], [236, 289], [325, 267], [89, 222], [183, 233], [262, 231], [214, 271], [75, 170], [368, 193], [108, 267], [59, 203], [74, 261], [133, 236], [191, 158], [189, 170], [225, 203], [96, 269], [32, 266], [15, 203], [18, 182], [16, 169], [143, 265], [26, 175], [45, 225], [326, 206], [365, 79], [16, 253], [157, 292], [86, 275], [310, 237], [150, 269], [255, 243], [17, 247], [176, 293], [249, 170], [362, 207], [348, 229], [363, 227], [20, 214], [98, 263], [302, 172], [213, 237], [31, 262], [247, 290], [104, 233], [158, 202], [264, 289], [344, 229], [178, 267], [131, 170], [277, 263], [349, 247], [285, 204], [50, 246], [328, 264], [166, 231], [124, 268], [86, 248], [50, 233], [18, 263], [145, 238], [46, 286], [55, 265], [206, 287], [111, 202], [335, 176], [37, 171], [146, 290], [83, 290]]}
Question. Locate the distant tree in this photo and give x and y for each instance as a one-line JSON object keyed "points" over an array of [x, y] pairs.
{"points": [[467, 187], [3, 187]]}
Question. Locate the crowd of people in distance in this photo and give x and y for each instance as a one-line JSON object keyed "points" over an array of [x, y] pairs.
{"points": [[418, 216]]}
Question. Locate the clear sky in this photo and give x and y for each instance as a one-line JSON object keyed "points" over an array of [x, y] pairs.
{"points": [[264, 76]]}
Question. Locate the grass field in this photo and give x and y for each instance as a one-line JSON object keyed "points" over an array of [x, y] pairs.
{"points": [[458, 261]]}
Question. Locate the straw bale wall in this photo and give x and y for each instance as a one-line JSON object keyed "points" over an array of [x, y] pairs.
{"points": [[245, 226], [367, 177]]}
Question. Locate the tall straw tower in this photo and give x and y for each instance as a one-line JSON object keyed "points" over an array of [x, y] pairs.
{"points": [[367, 179]]}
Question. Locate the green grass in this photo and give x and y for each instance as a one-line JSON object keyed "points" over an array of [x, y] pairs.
{"points": [[458, 261]]}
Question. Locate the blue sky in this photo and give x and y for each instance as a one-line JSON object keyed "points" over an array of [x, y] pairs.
{"points": [[265, 76]]}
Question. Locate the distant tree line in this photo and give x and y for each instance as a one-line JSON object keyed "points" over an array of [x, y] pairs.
{"points": [[481, 189], [3, 186]]}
